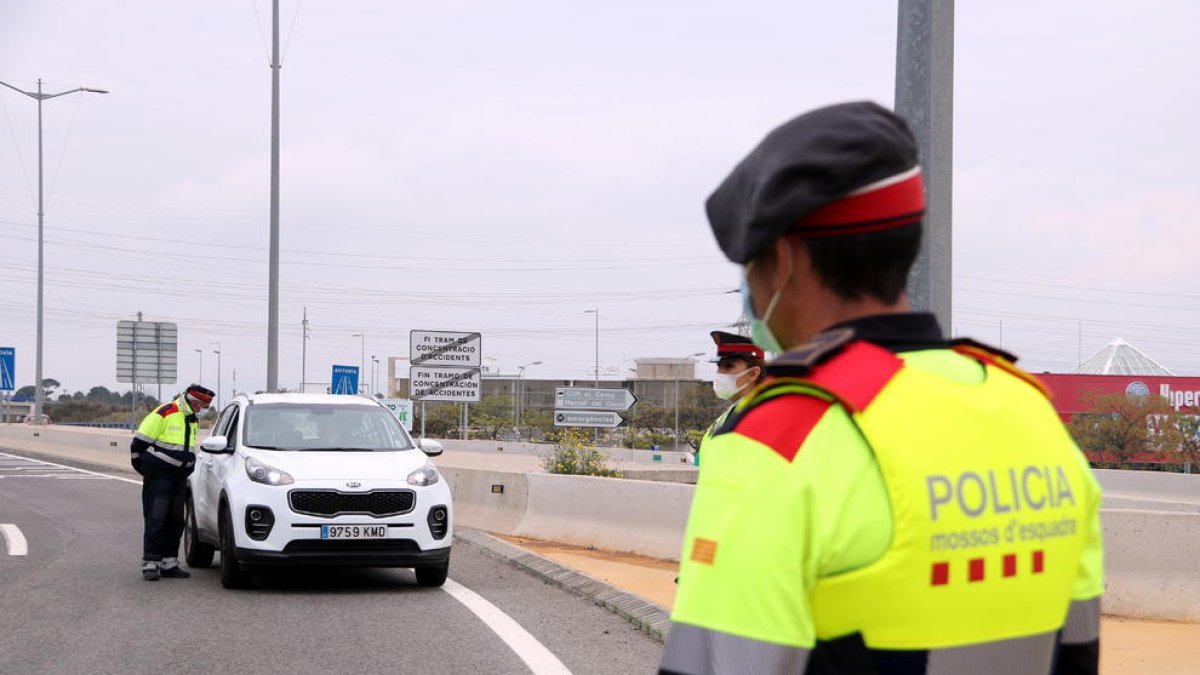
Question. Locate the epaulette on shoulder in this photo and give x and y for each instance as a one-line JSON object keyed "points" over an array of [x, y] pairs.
{"points": [[168, 408], [997, 358], [800, 361], [804, 383]]}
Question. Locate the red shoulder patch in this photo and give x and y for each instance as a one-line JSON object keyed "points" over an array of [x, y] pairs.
{"points": [[857, 374], [783, 423], [168, 409], [995, 360]]}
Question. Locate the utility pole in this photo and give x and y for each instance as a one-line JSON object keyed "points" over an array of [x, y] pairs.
{"points": [[925, 99], [304, 353], [217, 351], [273, 274]]}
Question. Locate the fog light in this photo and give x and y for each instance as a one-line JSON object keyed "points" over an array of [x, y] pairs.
{"points": [[438, 519], [259, 521]]}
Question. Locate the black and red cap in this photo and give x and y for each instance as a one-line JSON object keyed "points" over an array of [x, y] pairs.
{"points": [[731, 345], [844, 169], [200, 393]]}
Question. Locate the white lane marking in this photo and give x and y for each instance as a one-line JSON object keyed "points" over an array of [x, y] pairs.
{"points": [[535, 655], [15, 540], [71, 468]]}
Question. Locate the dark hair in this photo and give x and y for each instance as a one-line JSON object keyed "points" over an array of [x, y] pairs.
{"points": [[874, 264]]}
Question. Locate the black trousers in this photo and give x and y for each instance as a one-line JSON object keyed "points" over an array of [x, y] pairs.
{"points": [[162, 512]]}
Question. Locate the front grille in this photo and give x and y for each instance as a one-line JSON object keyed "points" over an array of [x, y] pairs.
{"points": [[351, 545], [327, 503]]}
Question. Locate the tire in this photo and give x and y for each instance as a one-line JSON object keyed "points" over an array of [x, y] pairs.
{"points": [[433, 576], [232, 574], [196, 552]]}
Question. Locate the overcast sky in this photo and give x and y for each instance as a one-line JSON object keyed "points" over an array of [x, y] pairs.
{"points": [[502, 167]]}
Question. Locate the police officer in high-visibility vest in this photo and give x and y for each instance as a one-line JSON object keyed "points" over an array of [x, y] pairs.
{"points": [[739, 367], [162, 452], [887, 501]]}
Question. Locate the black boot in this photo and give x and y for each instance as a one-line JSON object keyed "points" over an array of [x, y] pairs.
{"points": [[175, 572], [150, 571]]}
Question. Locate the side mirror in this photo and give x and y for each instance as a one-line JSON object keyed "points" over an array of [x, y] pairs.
{"points": [[430, 447], [217, 445]]}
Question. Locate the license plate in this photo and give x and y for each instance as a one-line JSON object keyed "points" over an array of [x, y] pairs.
{"points": [[354, 531]]}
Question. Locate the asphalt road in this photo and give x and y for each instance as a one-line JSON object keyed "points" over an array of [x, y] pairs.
{"points": [[75, 603]]}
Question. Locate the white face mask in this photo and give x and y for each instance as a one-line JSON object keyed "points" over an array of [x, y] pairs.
{"points": [[725, 385]]}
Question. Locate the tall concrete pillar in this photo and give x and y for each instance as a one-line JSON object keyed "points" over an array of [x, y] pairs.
{"points": [[925, 99]]}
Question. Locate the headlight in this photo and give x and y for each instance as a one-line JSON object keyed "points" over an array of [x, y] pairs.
{"points": [[263, 473], [426, 475]]}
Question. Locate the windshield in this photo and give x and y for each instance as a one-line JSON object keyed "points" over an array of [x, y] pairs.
{"points": [[290, 426]]}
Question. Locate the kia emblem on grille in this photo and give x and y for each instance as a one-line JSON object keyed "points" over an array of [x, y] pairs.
{"points": [[353, 484]]}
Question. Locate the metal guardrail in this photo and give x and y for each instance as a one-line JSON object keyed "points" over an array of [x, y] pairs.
{"points": [[98, 425]]}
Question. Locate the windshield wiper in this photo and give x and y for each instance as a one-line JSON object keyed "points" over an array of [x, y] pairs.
{"points": [[340, 449]]}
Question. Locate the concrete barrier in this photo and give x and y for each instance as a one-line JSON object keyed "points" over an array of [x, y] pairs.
{"points": [[608, 513], [619, 455], [1152, 561], [1154, 484]]}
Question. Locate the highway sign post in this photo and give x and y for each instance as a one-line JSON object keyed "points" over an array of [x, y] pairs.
{"points": [[402, 408], [583, 418], [344, 380], [8, 366], [571, 398], [8, 377]]}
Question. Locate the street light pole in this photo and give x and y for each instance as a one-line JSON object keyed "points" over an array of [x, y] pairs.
{"points": [[38, 395], [217, 351], [200, 377], [273, 254], [362, 358], [374, 374], [689, 357], [519, 404], [596, 381]]}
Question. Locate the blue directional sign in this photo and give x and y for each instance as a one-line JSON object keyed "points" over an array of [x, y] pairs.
{"points": [[345, 380], [8, 363]]}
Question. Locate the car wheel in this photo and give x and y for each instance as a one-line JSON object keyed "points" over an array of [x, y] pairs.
{"points": [[433, 576], [232, 574], [197, 553]]}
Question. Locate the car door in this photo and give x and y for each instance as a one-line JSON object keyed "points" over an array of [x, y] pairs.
{"points": [[215, 466], [223, 464], [199, 478]]}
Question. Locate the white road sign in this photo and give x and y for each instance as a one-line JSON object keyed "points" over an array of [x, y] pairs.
{"points": [[442, 348], [147, 352], [575, 398], [581, 418], [461, 385], [402, 408]]}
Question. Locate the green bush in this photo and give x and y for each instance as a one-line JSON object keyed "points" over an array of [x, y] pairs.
{"points": [[572, 455]]}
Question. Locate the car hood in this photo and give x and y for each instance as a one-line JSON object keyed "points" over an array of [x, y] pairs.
{"points": [[319, 465]]}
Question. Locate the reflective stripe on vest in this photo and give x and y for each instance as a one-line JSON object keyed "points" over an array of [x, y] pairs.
{"points": [[988, 511]]}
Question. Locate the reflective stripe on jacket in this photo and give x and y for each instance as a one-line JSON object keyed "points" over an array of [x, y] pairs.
{"points": [[167, 436]]}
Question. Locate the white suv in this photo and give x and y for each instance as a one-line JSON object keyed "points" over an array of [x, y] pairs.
{"points": [[316, 479]]}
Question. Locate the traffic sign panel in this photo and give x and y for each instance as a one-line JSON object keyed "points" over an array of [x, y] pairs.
{"points": [[463, 385], [344, 380], [582, 418], [402, 408], [147, 352], [8, 365], [444, 348], [574, 398]]}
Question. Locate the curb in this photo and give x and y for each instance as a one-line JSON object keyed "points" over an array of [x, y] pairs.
{"points": [[648, 617]]}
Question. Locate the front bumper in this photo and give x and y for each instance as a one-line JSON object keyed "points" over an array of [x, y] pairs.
{"points": [[346, 553]]}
